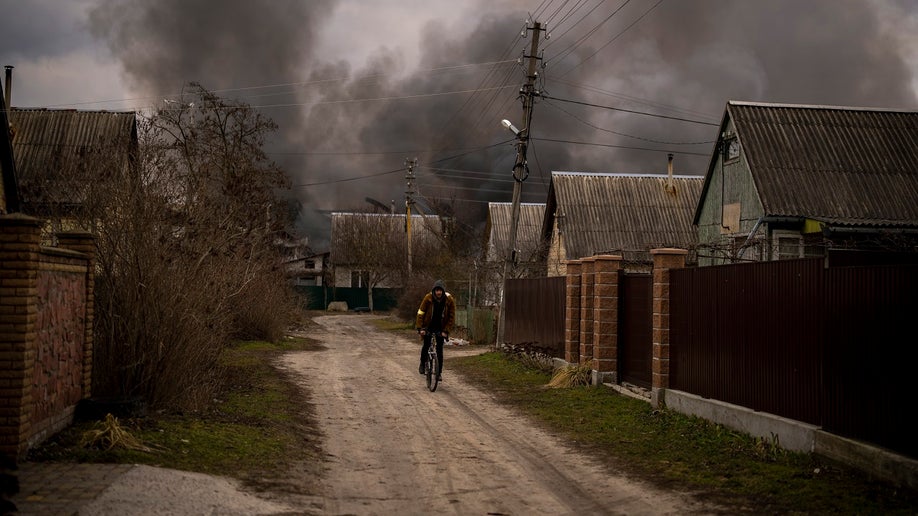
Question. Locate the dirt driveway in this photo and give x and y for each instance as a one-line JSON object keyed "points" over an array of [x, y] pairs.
{"points": [[395, 448]]}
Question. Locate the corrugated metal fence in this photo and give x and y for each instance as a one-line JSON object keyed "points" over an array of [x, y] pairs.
{"points": [[827, 346], [535, 314]]}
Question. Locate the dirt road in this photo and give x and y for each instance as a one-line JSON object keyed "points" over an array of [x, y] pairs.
{"points": [[396, 448]]}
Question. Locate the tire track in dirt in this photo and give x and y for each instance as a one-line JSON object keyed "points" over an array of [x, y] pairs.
{"points": [[395, 447]]}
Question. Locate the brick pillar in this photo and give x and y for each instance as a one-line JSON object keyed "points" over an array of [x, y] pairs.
{"points": [[572, 313], [20, 244], [663, 260], [85, 243], [605, 318], [586, 310]]}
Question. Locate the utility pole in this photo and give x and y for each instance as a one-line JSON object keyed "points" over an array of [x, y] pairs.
{"points": [[409, 200], [520, 170]]}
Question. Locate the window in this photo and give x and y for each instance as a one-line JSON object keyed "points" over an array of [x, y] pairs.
{"points": [[310, 264], [733, 149], [787, 246], [360, 278]]}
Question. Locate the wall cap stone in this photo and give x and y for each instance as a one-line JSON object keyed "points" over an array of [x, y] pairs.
{"points": [[669, 250]]}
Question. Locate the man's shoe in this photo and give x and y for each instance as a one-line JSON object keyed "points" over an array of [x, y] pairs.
{"points": [[439, 377], [421, 369]]}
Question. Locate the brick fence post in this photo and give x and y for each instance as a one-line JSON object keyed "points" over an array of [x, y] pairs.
{"points": [[572, 313], [605, 318], [663, 260], [586, 311], [85, 243], [20, 245]]}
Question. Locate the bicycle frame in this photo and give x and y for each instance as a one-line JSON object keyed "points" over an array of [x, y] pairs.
{"points": [[432, 365]]}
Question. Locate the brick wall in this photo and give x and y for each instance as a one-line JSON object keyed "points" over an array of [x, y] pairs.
{"points": [[591, 315], [45, 331]]}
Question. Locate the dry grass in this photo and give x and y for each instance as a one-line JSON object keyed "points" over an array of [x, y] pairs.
{"points": [[571, 376], [110, 434]]}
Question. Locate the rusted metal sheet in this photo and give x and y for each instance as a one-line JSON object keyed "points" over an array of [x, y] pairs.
{"points": [[635, 338], [535, 314]]}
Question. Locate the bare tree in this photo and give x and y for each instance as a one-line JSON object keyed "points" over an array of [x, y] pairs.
{"points": [[185, 255]]}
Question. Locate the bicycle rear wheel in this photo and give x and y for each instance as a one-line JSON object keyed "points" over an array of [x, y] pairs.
{"points": [[432, 370]]}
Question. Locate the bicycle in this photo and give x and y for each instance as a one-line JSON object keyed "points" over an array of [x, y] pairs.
{"points": [[432, 364]]}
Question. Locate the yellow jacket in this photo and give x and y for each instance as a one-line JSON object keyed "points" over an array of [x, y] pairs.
{"points": [[425, 311]]}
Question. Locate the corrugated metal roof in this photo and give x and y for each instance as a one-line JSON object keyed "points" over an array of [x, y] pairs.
{"points": [[423, 228], [46, 141], [528, 231], [846, 166], [623, 214]]}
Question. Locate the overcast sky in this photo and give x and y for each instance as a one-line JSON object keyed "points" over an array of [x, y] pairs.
{"points": [[358, 86]]}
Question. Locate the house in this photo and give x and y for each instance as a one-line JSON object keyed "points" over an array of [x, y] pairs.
{"points": [[791, 181], [528, 236], [309, 270], [624, 214], [371, 249], [53, 146]]}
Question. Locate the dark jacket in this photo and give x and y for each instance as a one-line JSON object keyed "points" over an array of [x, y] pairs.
{"points": [[425, 311]]}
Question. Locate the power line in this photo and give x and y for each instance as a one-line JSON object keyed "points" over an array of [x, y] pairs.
{"points": [[279, 85], [379, 174], [585, 122], [631, 111], [641, 17], [567, 51], [637, 100], [572, 142]]}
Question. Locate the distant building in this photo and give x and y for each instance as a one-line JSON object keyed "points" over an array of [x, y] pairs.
{"points": [[371, 249], [622, 214], [529, 248]]}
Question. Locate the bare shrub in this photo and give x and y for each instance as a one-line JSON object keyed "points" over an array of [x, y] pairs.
{"points": [[184, 218], [269, 310]]}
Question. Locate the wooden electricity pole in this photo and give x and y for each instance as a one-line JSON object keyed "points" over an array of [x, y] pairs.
{"points": [[520, 172], [409, 200]]}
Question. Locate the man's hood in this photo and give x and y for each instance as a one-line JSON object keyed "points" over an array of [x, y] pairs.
{"points": [[438, 285]]}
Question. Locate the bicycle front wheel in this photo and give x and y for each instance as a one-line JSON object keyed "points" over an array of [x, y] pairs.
{"points": [[433, 373]]}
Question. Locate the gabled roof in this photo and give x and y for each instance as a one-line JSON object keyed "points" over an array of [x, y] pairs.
{"points": [[423, 228], [47, 141], [528, 230], [626, 214], [840, 165]]}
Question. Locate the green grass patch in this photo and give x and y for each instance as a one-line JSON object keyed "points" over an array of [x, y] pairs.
{"points": [[393, 324], [683, 452], [257, 424]]}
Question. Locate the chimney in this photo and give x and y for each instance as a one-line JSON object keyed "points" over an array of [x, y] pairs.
{"points": [[669, 174], [9, 86]]}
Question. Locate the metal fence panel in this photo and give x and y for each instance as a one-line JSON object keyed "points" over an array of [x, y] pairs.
{"points": [[535, 314], [635, 339], [750, 335], [871, 352]]}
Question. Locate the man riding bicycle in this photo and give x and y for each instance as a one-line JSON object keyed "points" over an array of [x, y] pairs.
{"points": [[435, 318]]}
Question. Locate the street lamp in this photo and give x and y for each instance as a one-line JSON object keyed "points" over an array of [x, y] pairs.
{"points": [[514, 222]]}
